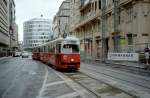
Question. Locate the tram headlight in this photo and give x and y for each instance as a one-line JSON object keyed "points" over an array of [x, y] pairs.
{"points": [[72, 60]]}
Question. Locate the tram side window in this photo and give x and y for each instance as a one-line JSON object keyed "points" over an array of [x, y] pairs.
{"points": [[49, 49], [38, 49], [41, 49], [58, 48]]}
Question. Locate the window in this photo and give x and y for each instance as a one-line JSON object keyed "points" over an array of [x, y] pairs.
{"points": [[58, 48], [70, 48], [130, 39], [145, 34], [99, 4], [5, 2]]}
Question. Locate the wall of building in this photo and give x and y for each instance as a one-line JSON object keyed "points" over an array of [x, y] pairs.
{"points": [[4, 24], [7, 21], [133, 27], [130, 24], [87, 28], [61, 20]]}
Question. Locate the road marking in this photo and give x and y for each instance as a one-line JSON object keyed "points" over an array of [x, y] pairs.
{"points": [[44, 83], [55, 83], [70, 95]]}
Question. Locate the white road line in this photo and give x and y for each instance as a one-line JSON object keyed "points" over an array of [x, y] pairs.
{"points": [[70, 95], [55, 83], [44, 83]]}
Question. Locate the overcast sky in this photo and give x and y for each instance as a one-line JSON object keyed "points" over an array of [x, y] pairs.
{"points": [[28, 9]]}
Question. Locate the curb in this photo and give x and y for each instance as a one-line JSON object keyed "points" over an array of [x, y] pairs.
{"points": [[1, 58]]}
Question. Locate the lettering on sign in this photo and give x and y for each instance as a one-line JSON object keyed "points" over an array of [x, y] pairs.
{"points": [[123, 56]]}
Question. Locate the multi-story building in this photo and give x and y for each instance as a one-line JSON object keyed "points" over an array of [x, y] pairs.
{"points": [[4, 27], [130, 26], [55, 26], [125, 27], [61, 19], [37, 31], [7, 27], [87, 26]]}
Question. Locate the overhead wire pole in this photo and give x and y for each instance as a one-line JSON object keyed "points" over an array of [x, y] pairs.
{"points": [[116, 24], [103, 5]]}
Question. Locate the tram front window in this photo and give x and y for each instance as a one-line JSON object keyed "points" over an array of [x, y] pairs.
{"points": [[70, 48]]}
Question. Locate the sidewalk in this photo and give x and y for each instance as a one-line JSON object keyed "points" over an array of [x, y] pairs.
{"points": [[121, 63], [126, 63], [1, 58]]}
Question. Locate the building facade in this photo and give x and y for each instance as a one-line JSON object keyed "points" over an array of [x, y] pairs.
{"points": [[37, 31], [62, 19], [4, 27], [121, 26], [13, 27], [8, 28], [132, 25], [87, 27]]}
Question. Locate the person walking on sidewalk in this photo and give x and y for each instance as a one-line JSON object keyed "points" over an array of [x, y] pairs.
{"points": [[146, 53]]}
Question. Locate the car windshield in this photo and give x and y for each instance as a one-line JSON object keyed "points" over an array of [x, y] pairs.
{"points": [[70, 48]]}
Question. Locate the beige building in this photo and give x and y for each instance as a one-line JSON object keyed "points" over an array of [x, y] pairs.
{"points": [[133, 25], [87, 26], [129, 27], [62, 19]]}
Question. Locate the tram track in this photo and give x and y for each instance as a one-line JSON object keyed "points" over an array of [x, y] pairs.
{"points": [[143, 78], [142, 87], [130, 69], [99, 88], [95, 94]]}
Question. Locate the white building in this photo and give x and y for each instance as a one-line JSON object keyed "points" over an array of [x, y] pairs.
{"points": [[37, 31]]}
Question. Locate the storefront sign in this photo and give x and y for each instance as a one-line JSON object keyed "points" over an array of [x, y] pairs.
{"points": [[123, 56]]}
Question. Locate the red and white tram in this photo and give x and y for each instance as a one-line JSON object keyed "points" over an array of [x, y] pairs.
{"points": [[60, 53]]}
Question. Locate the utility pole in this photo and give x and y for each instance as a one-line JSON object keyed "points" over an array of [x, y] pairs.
{"points": [[103, 5], [116, 24]]}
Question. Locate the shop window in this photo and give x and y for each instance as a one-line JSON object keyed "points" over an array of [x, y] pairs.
{"points": [[130, 39], [145, 34]]}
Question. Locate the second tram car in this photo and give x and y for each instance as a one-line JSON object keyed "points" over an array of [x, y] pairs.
{"points": [[60, 53]]}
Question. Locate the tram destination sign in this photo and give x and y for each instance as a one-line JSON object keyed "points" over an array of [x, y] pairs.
{"points": [[123, 56]]}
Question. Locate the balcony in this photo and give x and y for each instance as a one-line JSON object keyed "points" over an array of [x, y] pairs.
{"points": [[124, 2], [88, 18]]}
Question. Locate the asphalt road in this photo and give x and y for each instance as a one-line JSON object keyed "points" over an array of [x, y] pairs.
{"points": [[27, 78], [20, 78]]}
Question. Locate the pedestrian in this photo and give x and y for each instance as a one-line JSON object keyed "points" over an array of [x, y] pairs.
{"points": [[146, 53]]}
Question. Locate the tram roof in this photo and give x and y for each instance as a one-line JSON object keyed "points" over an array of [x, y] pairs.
{"points": [[71, 38], [59, 39], [56, 40]]}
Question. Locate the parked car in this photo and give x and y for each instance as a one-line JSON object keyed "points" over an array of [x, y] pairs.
{"points": [[17, 54], [25, 55]]}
